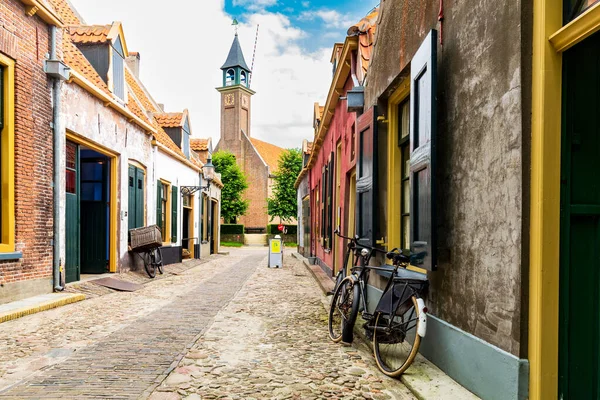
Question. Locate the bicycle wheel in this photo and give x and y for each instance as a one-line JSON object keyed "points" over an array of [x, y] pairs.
{"points": [[158, 260], [149, 263], [348, 328], [393, 350], [339, 311]]}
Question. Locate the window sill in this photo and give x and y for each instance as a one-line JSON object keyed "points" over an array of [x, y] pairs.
{"points": [[15, 255]]}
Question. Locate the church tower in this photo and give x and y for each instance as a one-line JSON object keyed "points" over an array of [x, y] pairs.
{"points": [[235, 100]]}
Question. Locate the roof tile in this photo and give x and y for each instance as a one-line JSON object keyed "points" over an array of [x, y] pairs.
{"points": [[85, 34], [66, 13], [269, 152], [170, 120], [199, 144]]}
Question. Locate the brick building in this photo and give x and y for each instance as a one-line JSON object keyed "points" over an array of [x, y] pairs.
{"points": [[256, 158], [25, 149]]}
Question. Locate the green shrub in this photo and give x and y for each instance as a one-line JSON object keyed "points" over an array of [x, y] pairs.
{"points": [[232, 229], [291, 229]]}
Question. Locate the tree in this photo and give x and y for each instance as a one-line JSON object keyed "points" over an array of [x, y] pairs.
{"points": [[234, 184], [284, 202]]}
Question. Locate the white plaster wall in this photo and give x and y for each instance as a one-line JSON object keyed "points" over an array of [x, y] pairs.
{"points": [[86, 116], [214, 193], [178, 174]]}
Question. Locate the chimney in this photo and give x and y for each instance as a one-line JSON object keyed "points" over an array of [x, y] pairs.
{"points": [[133, 62]]}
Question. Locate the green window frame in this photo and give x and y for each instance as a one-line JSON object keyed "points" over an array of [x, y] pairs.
{"points": [[174, 208]]}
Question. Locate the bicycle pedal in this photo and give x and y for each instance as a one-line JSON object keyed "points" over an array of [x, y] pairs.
{"points": [[367, 316]]}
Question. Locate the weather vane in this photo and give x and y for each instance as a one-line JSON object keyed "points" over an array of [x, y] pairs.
{"points": [[235, 23]]}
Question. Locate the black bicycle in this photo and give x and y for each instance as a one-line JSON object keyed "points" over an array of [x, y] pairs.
{"points": [[399, 320], [342, 316]]}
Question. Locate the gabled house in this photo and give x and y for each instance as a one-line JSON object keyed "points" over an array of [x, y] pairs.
{"points": [[330, 169], [123, 170], [202, 147]]}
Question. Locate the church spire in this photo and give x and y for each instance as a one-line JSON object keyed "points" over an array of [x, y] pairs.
{"points": [[235, 57]]}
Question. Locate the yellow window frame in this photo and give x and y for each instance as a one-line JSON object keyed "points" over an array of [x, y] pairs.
{"points": [[7, 159], [168, 210]]}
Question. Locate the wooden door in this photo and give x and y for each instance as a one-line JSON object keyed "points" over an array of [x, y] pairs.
{"points": [[580, 223], [94, 215], [72, 255]]}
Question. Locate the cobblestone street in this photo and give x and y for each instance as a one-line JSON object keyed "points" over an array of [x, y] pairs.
{"points": [[228, 328]]}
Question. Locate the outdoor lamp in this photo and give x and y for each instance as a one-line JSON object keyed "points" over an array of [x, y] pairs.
{"points": [[208, 172]]}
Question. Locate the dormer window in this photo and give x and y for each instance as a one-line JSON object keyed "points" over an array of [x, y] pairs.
{"points": [[243, 79], [230, 77], [118, 69]]}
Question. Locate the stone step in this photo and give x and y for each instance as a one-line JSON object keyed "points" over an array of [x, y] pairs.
{"points": [[255, 239]]}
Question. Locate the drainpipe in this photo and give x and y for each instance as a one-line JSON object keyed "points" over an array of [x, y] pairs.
{"points": [[57, 70]]}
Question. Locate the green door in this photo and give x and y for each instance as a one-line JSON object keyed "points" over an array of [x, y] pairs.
{"points": [[94, 215], [72, 270], [580, 223], [136, 197]]}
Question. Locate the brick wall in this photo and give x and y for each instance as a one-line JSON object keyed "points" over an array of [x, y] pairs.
{"points": [[257, 192], [26, 40]]}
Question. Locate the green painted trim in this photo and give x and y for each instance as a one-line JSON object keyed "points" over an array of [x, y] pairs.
{"points": [[486, 370]]}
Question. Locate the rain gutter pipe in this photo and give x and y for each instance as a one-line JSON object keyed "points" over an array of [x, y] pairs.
{"points": [[58, 162]]}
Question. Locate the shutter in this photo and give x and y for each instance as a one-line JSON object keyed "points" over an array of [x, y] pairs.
{"points": [[139, 198], [174, 208], [422, 158], [131, 209], [158, 204], [330, 200], [366, 177]]}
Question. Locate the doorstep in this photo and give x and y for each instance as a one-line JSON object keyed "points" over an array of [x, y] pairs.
{"points": [[325, 281], [35, 304], [423, 378]]}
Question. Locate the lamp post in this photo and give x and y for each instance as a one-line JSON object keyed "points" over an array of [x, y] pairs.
{"points": [[208, 173]]}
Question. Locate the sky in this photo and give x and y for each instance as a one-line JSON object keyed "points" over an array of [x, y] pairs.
{"points": [[183, 44]]}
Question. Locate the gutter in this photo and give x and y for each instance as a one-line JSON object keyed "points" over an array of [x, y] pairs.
{"points": [[55, 69], [109, 101]]}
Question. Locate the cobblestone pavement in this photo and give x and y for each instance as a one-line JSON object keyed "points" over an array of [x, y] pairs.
{"points": [[271, 342], [117, 345], [229, 328]]}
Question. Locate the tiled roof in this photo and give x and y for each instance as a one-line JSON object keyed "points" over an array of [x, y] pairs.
{"points": [[269, 152], [199, 144], [85, 34], [309, 146], [77, 61], [67, 15], [169, 120], [140, 93], [365, 29]]}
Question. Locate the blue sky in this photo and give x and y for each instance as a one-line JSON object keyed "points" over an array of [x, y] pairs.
{"points": [[323, 22]]}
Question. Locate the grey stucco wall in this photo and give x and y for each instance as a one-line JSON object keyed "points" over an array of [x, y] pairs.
{"points": [[480, 171]]}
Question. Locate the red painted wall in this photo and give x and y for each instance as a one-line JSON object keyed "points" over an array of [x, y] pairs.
{"points": [[340, 131]]}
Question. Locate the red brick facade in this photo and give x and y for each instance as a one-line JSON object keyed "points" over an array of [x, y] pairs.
{"points": [[25, 39]]}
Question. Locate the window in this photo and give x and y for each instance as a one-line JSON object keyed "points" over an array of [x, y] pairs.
{"points": [[243, 78], [71, 168], [118, 69], [327, 203], [229, 77], [137, 178], [404, 145], [174, 209], [7, 184], [163, 217]]}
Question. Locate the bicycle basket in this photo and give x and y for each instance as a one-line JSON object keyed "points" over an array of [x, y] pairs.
{"points": [[146, 238]]}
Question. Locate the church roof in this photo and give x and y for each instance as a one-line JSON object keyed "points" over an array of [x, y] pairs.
{"points": [[235, 57], [269, 152]]}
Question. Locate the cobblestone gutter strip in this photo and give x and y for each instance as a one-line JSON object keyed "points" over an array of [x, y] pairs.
{"points": [[43, 305], [423, 379], [325, 282]]}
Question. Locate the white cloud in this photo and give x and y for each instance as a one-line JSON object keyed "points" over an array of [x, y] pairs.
{"points": [[255, 5], [181, 59], [332, 18], [305, 4]]}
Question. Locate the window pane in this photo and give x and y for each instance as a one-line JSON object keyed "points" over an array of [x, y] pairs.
{"points": [[404, 119], [405, 197], [405, 232], [574, 8], [71, 155], [91, 171], [71, 185]]}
